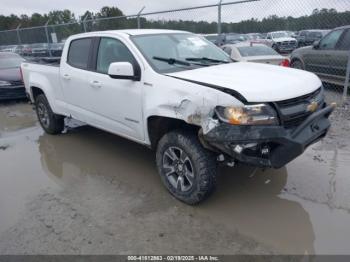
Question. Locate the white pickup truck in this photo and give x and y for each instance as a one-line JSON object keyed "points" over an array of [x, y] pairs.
{"points": [[180, 95]]}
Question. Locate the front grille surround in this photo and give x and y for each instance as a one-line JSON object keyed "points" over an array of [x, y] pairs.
{"points": [[293, 112]]}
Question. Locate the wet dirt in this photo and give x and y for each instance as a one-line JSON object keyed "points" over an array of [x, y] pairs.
{"points": [[90, 192]]}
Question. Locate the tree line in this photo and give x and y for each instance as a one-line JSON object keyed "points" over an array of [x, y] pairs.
{"points": [[318, 19]]}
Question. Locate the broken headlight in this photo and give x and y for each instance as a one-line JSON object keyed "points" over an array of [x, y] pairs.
{"points": [[260, 114]]}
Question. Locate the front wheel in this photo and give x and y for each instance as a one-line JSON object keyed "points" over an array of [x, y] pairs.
{"points": [[52, 124], [186, 168]]}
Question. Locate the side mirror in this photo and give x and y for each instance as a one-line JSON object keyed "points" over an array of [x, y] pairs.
{"points": [[316, 45], [122, 70]]}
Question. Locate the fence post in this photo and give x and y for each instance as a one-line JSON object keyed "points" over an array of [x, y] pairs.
{"points": [[84, 24], [138, 18], [219, 18], [346, 84], [18, 35], [47, 37]]}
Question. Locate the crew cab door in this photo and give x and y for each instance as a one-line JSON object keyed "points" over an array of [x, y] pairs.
{"points": [[116, 103], [74, 72]]}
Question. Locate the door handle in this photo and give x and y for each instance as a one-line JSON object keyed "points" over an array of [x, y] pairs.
{"points": [[95, 84], [66, 77]]}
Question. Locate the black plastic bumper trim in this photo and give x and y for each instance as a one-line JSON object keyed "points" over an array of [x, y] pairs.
{"points": [[285, 144]]}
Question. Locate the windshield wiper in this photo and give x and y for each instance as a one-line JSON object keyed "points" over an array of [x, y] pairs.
{"points": [[206, 59], [172, 61]]}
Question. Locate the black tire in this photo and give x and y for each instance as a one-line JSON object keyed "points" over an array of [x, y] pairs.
{"points": [[52, 124], [196, 179], [297, 64]]}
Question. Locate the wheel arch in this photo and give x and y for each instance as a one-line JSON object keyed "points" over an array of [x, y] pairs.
{"points": [[158, 126]]}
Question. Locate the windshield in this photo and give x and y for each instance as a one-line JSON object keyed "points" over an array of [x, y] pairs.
{"points": [[279, 35], [168, 53], [256, 51], [10, 62]]}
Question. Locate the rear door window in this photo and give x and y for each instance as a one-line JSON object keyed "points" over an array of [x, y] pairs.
{"points": [[79, 51]]}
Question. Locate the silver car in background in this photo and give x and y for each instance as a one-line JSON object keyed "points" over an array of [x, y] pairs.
{"points": [[258, 53]]}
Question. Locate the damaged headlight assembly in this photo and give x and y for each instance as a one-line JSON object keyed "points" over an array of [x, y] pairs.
{"points": [[258, 114]]}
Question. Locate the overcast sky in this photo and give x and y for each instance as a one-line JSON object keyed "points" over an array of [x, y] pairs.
{"points": [[230, 13]]}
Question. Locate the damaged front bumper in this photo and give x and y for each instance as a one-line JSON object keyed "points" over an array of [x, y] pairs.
{"points": [[269, 146]]}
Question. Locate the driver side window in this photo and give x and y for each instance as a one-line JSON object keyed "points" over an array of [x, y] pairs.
{"points": [[330, 41], [112, 50]]}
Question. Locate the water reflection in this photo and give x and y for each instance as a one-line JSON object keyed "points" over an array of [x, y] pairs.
{"points": [[247, 200]]}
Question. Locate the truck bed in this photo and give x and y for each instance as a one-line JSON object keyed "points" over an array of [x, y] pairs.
{"points": [[52, 61], [44, 75]]}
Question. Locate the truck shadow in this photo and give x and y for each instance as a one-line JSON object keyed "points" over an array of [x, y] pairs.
{"points": [[248, 200]]}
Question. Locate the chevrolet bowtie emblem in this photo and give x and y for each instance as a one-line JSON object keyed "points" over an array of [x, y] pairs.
{"points": [[312, 107]]}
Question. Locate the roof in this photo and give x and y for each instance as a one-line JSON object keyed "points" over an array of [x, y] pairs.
{"points": [[136, 32], [246, 44]]}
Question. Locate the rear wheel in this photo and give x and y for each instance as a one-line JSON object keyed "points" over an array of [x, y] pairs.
{"points": [[297, 64], [186, 168], [52, 124]]}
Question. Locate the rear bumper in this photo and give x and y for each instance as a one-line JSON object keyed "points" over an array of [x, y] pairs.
{"points": [[17, 92], [269, 146]]}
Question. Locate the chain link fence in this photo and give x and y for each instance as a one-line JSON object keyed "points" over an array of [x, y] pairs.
{"points": [[280, 24]]}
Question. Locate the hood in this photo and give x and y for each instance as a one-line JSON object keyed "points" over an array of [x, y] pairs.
{"points": [[282, 39], [255, 82], [10, 74]]}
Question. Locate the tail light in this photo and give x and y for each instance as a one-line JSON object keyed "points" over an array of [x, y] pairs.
{"points": [[285, 63]]}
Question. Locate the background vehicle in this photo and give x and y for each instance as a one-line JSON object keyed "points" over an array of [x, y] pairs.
{"points": [[328, 58], [282, 42], [56, 49], [40, 50], [259, 53], [235, 38], [308, 37], [183, 98], [254, 36], [212, 38], [259, 39], [9, 48], [11, 84], [230, 38], [26, 50], [292, 34]]}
